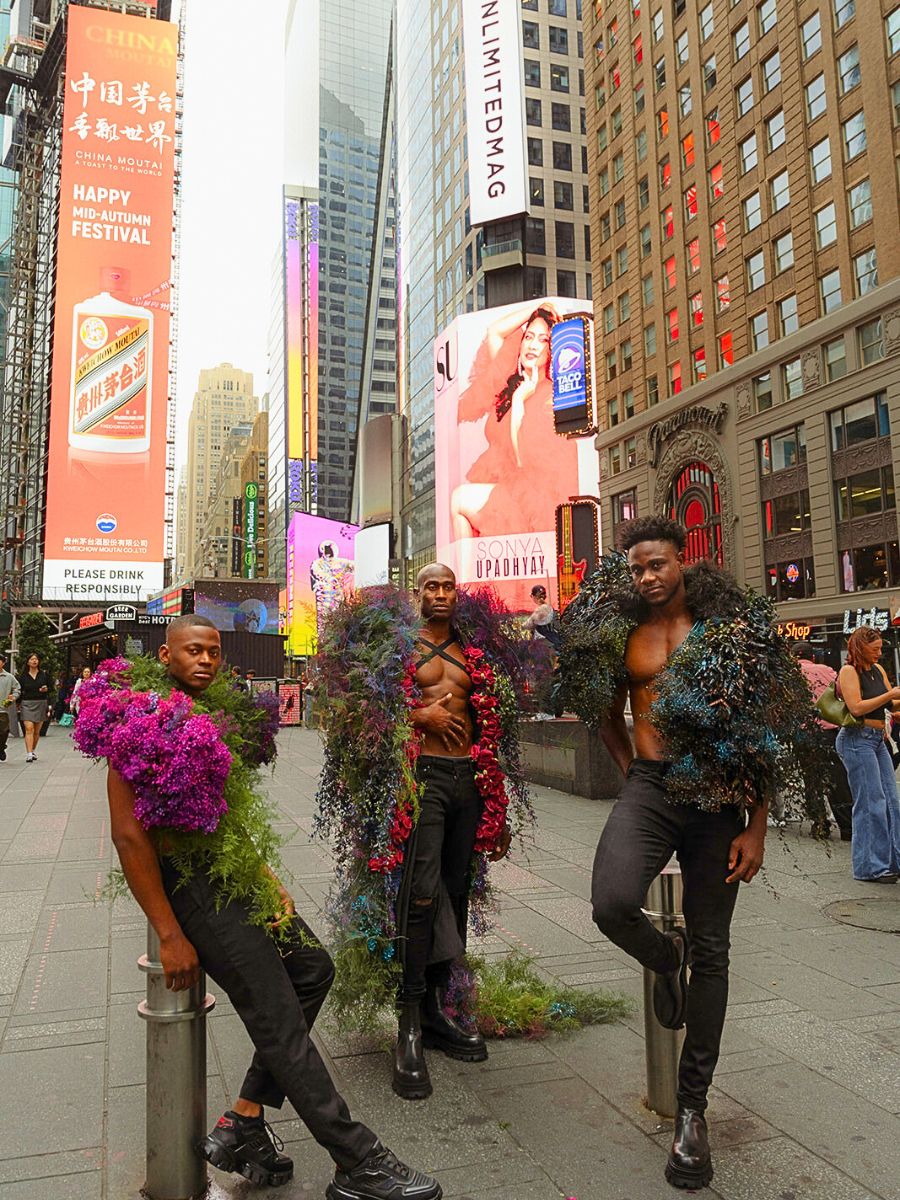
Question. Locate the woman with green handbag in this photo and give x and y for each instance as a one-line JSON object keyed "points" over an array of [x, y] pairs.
{"points": [[868, 697]]}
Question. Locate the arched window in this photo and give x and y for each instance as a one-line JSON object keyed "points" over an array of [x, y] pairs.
{"points": [[694, 503]]}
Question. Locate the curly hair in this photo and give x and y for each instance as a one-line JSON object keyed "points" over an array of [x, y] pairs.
{"points": [[651, 529], [503, 401], [864, 636]]}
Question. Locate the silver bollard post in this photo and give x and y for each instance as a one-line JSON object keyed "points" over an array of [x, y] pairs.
{"points": [[176, 1081], [663, 1046]]}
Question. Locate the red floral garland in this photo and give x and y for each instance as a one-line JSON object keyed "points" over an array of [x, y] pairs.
{"points": [[485, 753]]}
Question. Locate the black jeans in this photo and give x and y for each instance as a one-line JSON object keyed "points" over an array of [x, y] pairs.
{"points": [[640, 836], [439, 860], [842, 799], [277, 990]]}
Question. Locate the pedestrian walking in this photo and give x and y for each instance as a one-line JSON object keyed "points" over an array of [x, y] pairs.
{"points": [[818, 676], [868, 694], [276, 974], [36, 685], [10, 689], [79, 682]]}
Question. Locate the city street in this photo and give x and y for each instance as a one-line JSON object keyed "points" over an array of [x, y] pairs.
{"points": [[806, 1103]]}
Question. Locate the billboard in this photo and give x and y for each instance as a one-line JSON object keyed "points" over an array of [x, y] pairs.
{"points": [[301, 284], [501, 470], [251, 528], [570, 374], [106, 479], [495, 109], [372, 554], [320, 573], [241, 606]]}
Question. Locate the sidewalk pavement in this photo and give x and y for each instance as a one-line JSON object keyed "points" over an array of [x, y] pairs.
{"points": [[807, 1094]]}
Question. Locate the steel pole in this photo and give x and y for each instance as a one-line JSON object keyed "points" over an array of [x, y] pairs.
{"points": [[176, 1081], [663, 1046]]}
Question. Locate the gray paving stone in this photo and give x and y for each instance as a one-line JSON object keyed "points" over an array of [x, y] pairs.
{"points": [[18, 912], [86, 1186], [779, 1167], [61, 1108], [805, 986], [13, 955], [75, 884], [44, 1166], [56, 982], [24, 877]]}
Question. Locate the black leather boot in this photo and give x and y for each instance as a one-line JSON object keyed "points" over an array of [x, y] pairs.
{"points": [[441, 1032], [410, 1069], [670, 990], [689, 1164]]}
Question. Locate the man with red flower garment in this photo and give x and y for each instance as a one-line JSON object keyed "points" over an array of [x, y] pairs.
{"points": [[277, 988], [433, 895]]}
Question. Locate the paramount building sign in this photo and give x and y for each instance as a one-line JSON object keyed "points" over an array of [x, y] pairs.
{"points": [[698, 416], [495, 109]]}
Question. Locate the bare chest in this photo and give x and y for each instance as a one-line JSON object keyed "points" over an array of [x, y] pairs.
{"points": [[650, 647]]}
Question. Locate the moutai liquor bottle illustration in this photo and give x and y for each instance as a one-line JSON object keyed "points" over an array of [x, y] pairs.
{"points": [[112, 356]]}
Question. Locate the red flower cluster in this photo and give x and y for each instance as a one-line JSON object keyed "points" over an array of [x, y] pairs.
{"points": [[489, 777], [402, 821]]}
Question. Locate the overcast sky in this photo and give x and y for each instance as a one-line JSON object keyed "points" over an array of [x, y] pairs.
{"points": [[231, 191]]}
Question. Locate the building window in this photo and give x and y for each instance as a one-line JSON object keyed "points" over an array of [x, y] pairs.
{"points": [[536, 191], [694, 502], [646, 244], [726, 350], [865, 495], [762, 391], [650, 340], [565, 284], [844, 11], [681, 49], [782, 451], [624, 506], [826, 226], [637, 50], [532, 73], [602, 138], [563, 195], [556, 8], [696, 303], [609, 318], [565, 239], [670, 272], [867, 567], [559, 78], [744, 96], [687, 150], [698, 365], [811, 35], [771, 71], [605, 227], [892, 30], [835, 353], [628, 403], [672, 325], [562, 156], [788, 513], [647, 290], [748, 152], [607, 272], [779, 192], [531, 35], [533, 114], [685, 102], [625, 355], [794, 580], [706, 22], [713, 128], [710, 74], [815, 97], [621, 261], [716, 182], [860, 203], [667, 222], [720, 235], [860, 422], [640, 145], [535, 235], [615, 460], [559, 40], [693, 255], [535, 152], [848, 70], [652, 390], [624, 307], [756, 270], [620, 216], [752, 210], [854, 134], [865, 271], [659, 74], [740, 41], [643, 193], [820, 161], [658, 26], [767, 15], [759, 330], [664, 169], [775, 135], [870, 342], [662, 124], [618, 168], [830, 292], [784, 252], [723, 294], [561, 117], [788, 316], [792, 379], [674, 372], [639, 98], [612, 413]]}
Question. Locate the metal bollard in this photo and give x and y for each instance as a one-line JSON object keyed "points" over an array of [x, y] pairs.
{"points": [[663, 1046], [176, 1081]]}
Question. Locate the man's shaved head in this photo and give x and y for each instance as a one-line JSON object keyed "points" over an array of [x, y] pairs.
{"points": [[434, 569], [435, 592], [187, 621], [192, 652]]}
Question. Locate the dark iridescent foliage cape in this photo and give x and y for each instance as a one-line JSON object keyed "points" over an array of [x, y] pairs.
{"points": [[732, 707]]}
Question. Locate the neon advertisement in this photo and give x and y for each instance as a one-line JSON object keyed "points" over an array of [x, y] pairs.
{"points": [[320, 574]]}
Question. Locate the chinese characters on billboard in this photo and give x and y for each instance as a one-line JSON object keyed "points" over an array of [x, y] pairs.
{"points": [[109, 393], [501, 469], [320, 574]]}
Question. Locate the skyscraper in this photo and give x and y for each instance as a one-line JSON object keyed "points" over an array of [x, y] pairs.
{"points": [[744, 217], [447, 265]]}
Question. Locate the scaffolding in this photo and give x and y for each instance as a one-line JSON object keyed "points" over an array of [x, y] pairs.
{"points": [[32, 76]]}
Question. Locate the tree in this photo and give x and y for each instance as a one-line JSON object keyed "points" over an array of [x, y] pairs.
{"points": [[33, 637]]}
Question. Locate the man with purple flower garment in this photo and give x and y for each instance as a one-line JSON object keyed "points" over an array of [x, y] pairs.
{"points": [[276, 986]]}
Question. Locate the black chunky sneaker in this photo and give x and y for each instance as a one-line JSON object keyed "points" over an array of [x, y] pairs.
{"points": [[689, 1165], [441, 1032], [382, 1176], [250, 1147], [670, 990]]}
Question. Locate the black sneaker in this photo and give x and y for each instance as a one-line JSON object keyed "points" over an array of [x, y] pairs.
{"points": [[248, 1146], [2, 756], [381, 1176]]}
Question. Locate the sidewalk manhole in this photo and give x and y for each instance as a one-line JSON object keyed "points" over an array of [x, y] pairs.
{"points": [[869, 912]]}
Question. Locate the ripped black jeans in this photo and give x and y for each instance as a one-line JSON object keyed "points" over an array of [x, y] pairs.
{"points": [[439, 852]]}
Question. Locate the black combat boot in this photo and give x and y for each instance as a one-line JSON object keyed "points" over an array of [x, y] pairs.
{"points": [[689, 1164], [248, 1146], [441, 1032], [410, 1070]]}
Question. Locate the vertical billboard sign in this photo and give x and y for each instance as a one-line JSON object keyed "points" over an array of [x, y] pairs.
{"points": [[105, 526], [320, 574], [301, 267], [251, 528], [237, 525], [570, 374], [495, 109], [501, 470]]}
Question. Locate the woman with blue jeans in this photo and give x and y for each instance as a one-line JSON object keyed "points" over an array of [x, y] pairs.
{"points": [[868, 694]]}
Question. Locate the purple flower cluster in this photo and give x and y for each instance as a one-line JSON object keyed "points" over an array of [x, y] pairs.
{"points": [[175, 759]]}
